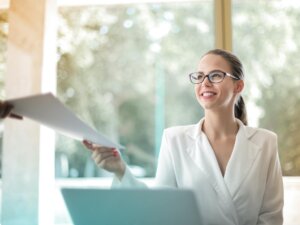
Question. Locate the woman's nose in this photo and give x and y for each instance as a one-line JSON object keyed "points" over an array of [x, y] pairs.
{"points": [[206, 82]]}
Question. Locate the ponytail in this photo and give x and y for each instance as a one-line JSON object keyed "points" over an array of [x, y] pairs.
{"points": [[240, 110]]}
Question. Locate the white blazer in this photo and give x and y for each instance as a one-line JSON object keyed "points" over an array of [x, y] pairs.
{"points": [[251, 191]]}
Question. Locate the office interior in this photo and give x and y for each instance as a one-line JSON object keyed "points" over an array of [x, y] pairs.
{"points": [[122, 65]]}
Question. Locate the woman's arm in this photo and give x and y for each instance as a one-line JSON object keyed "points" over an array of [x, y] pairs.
{"points": [[165, 176], [110, 160]]}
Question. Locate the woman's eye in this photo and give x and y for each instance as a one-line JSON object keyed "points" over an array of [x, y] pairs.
{"points": [[216, 75], [200, 76]]}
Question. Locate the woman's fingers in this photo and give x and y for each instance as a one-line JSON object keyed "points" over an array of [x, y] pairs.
{"points": [[94, 147], [88, 144], [99, 158], [101, 154], [105, 159]]}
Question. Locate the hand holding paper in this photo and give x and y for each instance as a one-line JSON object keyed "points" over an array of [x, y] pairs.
{"points": [[107, 158]]}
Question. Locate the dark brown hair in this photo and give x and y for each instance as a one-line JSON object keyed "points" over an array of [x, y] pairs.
{"points": [[237, 71]]}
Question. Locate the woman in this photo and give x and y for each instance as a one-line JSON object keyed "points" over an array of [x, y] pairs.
{"points": [[233, 169]]}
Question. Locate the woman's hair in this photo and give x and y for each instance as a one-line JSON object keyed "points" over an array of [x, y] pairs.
{"points": [[237, 71]]}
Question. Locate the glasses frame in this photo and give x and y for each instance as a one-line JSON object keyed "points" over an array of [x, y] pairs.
{"points": [[209, 77]]}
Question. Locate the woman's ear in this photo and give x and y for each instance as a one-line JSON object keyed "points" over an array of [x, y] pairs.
{"points": [[239, 86]]}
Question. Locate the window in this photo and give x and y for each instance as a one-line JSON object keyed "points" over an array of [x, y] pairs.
{"points": [[124, 68], [266, 37]]}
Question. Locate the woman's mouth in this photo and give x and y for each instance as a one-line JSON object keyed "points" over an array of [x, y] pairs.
{"points": [[208, 93]]}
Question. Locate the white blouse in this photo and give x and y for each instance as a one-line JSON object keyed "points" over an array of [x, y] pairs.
{"points": [[251, 191]]}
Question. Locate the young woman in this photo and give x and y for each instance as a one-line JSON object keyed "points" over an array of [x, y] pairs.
{"points": [[233, 169]]}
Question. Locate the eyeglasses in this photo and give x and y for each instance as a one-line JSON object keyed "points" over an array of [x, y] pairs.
{"points": [[214, 77]]}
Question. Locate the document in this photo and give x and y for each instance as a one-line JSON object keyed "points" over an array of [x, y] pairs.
{"points": [[49, 111]]}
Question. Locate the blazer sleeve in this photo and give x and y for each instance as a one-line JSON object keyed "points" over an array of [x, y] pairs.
{"points": [[165, 174], [127, 181], [272, 205]]}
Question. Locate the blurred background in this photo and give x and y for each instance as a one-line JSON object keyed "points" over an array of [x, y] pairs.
{"points": [[123, 69]]}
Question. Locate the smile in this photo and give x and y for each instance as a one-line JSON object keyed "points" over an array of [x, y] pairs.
{"points": [[208, 94]]}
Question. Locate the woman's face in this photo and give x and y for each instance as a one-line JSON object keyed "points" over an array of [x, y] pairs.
{"points": [[217, 96]]}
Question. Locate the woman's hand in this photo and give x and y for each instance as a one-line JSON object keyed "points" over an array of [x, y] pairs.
{"points": [[107, 158]]}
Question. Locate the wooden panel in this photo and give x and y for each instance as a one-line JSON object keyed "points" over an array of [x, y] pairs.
{"points": [[28, 149], [223, 25]]}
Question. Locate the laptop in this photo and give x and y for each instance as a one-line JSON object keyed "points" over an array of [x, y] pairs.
{"points": [[90, 206]]}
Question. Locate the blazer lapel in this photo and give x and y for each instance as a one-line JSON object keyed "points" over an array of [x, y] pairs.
{"points": [[242, 158], [203, 156], [196, 151], [195, 137]]}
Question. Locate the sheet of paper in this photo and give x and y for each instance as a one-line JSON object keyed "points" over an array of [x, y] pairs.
{"points": [[49, 111]]}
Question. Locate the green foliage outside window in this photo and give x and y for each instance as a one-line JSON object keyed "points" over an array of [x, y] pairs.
{"points": [[266, 36]]}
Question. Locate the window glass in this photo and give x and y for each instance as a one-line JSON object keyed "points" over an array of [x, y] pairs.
{"points": [[124, 70], [266, 36]]}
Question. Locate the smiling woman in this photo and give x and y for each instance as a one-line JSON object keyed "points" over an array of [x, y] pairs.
{"points": [[219, 158]]}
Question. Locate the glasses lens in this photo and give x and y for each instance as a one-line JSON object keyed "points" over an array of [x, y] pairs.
{"points": [[216, 77], [196, 78]]}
